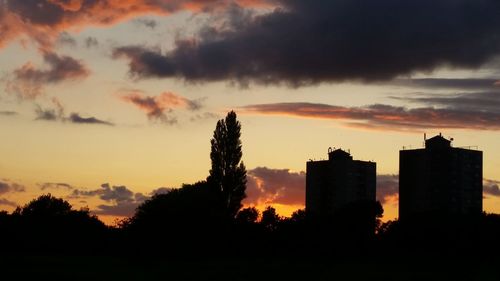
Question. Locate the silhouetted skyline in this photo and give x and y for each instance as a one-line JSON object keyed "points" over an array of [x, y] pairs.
{"points": [[106, 103]]}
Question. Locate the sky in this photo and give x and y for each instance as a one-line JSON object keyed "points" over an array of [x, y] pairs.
{"points": [[105, 102]]}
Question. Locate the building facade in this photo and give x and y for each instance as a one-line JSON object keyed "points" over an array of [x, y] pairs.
{"points": [[337, 182], [440, 179]]}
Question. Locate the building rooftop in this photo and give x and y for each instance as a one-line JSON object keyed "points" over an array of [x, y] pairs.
{"points": [[437, 142], [337, 154]]}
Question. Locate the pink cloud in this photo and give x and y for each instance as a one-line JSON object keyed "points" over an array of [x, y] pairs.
{"points": [[157, 107]]}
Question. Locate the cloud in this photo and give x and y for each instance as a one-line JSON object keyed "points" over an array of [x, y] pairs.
{"points": [[8, 113], [28, 81], [490, 187], [149, 23], [267, 186], [57, 114], [449, 83], [91, 42], [307, 42], [55, 185], [204, 116], [76, 118], [388, 189], [157, 107], [387, 117], [50, 114], [161, 190], [42, 20], [478, 101], [66, 39], [122, 209], [7, 186], [279, 186], [6, 202], [121, 200]]}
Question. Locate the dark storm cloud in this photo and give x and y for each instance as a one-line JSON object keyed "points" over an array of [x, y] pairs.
{"points": [[308, 42], [386, 117]]}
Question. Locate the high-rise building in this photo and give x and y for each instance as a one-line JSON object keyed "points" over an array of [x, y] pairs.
{"points": [[440, 179], [335, 183]]}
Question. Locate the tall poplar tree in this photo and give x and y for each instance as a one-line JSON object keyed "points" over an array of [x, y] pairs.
{"points": [[228, 173]]}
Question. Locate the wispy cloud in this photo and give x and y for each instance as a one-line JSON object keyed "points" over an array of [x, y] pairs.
{"points": [[55, 185], [6, 202], [159, 108], [479, 101], [385, 117], [28, 81], [57, 113], [8, 186], [461, 84], [8, 113]]}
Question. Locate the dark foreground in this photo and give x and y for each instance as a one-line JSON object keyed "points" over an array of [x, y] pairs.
{"points": [[299, 268]]}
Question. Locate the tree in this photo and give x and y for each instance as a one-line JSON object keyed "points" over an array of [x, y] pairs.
{"points": [[270, 219], [184, 209], [228, 174], [247, 216], [50, 224]]}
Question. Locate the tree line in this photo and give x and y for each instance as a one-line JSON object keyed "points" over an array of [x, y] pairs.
{"points": [[206, 219]]}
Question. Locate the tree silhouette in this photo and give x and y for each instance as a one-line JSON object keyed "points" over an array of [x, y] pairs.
{"points": [[56, 225], [247, 216], [45, 206], [184, 210], [270, 219], [228, 174]]}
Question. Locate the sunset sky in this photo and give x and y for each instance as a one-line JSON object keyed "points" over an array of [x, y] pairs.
{"points": [[105, 102]]}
